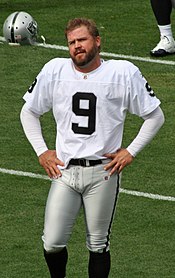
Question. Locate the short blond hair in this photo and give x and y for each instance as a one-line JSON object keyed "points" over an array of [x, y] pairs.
{"points": [[78, 22]]}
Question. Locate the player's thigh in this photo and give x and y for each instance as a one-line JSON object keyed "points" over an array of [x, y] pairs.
{"points": [[63, 205], [99, 207], [100, 198]]}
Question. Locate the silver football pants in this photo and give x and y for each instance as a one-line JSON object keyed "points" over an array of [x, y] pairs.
{"points": [[91, 188]]}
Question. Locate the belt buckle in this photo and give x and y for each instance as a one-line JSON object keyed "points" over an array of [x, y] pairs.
{"points": [[82, 162]]}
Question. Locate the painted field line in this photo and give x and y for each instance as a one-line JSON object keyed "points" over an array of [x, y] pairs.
{"points": [[108, 54], [113, 55], [126, 191], [24, 174], [147, 195]]}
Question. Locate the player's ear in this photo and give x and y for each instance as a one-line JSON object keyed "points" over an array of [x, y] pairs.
{"points": [[98, 41]]}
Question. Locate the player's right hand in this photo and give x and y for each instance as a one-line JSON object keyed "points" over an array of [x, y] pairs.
{"points": [[49, 161]]}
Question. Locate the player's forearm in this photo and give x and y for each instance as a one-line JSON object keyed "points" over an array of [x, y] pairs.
{"points": [[32, 129], [152, 123]]}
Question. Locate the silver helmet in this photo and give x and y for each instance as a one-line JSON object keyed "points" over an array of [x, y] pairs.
{"points": [[20, 27]]}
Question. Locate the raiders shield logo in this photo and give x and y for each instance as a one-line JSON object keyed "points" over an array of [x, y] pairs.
{"points": [[32, 28]]}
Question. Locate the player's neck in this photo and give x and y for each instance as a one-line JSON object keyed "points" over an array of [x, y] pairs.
{"points": [[92, 65]]}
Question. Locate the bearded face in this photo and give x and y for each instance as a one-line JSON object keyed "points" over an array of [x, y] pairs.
{"points": [[83, 47], [81, 57]]}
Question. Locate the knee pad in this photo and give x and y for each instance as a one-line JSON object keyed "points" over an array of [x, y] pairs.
{"points": [[98, 250], [53, 249], [97, 246]]}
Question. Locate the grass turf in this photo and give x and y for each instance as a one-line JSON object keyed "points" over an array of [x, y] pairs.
{"points": [[142, 240]]}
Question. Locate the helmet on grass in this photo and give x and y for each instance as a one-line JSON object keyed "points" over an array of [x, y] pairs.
{"points": [[20, 27]]}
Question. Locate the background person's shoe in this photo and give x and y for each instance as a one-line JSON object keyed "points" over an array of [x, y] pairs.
{"points": [[166, 46]]}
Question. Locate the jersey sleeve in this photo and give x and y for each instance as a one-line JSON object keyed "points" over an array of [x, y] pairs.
{"points": [[39, 96], [141, 98]]}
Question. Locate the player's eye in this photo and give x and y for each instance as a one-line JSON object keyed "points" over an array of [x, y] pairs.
{"points": [[82, 39], [71, 42]]}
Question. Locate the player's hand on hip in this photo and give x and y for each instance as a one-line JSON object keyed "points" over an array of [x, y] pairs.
{"points": [[49, 161], [119, 160]]}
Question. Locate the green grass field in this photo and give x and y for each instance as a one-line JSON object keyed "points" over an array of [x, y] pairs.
{"points": [[143, 238]]}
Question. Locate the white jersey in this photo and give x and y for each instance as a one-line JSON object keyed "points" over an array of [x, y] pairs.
{"points": [[90, 109]]}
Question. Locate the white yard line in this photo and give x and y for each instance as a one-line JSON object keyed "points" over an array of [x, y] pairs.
{"points": [[122, 190], [113, 55], [147, 195], [108, 54], [24, 174]]}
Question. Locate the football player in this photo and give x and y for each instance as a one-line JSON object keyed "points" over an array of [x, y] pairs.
{"points": [[89, 98]]}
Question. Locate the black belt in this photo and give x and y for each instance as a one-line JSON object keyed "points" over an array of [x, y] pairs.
{"points": [[85, 162]]}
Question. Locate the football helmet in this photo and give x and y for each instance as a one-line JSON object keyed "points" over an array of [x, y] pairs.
{"points": [[20, 27]]}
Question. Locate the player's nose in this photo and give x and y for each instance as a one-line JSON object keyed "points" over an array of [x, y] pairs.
{"points": [[77, 44]]}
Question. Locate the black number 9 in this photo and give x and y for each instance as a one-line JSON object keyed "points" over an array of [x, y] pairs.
{"points": [[32, 86], [90, 112]]}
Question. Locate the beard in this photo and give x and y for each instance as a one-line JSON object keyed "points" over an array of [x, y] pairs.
{"points": [[87, 57]]}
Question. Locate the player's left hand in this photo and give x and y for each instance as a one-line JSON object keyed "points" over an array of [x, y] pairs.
{"points": [[119, 160]]}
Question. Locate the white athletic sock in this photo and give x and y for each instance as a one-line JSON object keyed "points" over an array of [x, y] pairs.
{"points": [[165, 30]]}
